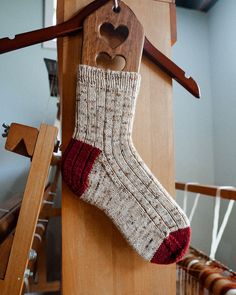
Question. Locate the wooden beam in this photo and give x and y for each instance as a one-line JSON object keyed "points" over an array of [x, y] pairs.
{"points": [[229, 194], [173, 24], [95, 257], [30, 208]]}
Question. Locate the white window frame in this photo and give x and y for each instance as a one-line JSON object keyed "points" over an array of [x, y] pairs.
{"points": [[50, 20]]}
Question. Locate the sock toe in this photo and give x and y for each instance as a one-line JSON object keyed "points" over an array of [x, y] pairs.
{"points": [[173, 247]]}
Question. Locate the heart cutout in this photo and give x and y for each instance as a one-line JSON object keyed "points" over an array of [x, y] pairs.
{"points": [[114, 37], [116, 63]]}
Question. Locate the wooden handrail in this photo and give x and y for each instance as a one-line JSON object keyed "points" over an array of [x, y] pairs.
{"points": [[226, 193]]}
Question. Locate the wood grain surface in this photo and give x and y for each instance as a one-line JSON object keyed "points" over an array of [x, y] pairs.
{"points": [[21, 139], [122, 36], [96, 259], [30, 208]]}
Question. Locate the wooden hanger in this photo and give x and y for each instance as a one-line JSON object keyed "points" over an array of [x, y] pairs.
{"points": [[109, 36], [74, 25]]}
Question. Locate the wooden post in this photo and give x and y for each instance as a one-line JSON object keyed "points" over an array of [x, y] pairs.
{"points": [[30, 209], [96, 260]]}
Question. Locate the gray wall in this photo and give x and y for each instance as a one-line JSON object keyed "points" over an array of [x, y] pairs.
{"points": [[193, 117], [205, 129], [24, 88], [222, 41]]}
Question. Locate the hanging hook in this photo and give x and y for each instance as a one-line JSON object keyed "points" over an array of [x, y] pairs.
{"points": [[116, 7], [6, 130]]}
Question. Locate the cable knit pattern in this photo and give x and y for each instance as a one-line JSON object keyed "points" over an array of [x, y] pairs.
{"points": [[102, 166]]}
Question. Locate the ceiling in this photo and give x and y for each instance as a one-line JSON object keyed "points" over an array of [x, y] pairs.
{"points": [[201, 5]]}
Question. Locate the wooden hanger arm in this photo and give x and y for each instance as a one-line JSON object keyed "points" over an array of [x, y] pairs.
{"points": [[32, 38], [75, 24], [170, 68]]}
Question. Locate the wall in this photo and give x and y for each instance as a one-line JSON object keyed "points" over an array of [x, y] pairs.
{"points": [[205, 129], [222, 26], [193, 117], [24, 87], [222, 41]]}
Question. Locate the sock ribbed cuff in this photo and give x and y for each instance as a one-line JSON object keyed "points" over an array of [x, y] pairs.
{"points": [[107, 79]]}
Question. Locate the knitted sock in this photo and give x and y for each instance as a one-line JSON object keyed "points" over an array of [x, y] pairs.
{"points": [[102, 167]]}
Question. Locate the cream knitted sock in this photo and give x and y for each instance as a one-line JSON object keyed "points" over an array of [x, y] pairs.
{"points": [[102, 167]]}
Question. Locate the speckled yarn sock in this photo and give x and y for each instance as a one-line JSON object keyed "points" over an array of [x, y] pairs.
{"points": [[103, 168]]}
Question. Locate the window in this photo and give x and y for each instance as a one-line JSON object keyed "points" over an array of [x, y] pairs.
{"points": [[50, 7]]}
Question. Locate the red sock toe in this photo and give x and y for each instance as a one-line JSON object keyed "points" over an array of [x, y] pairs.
{"points": [[173, 247]]}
